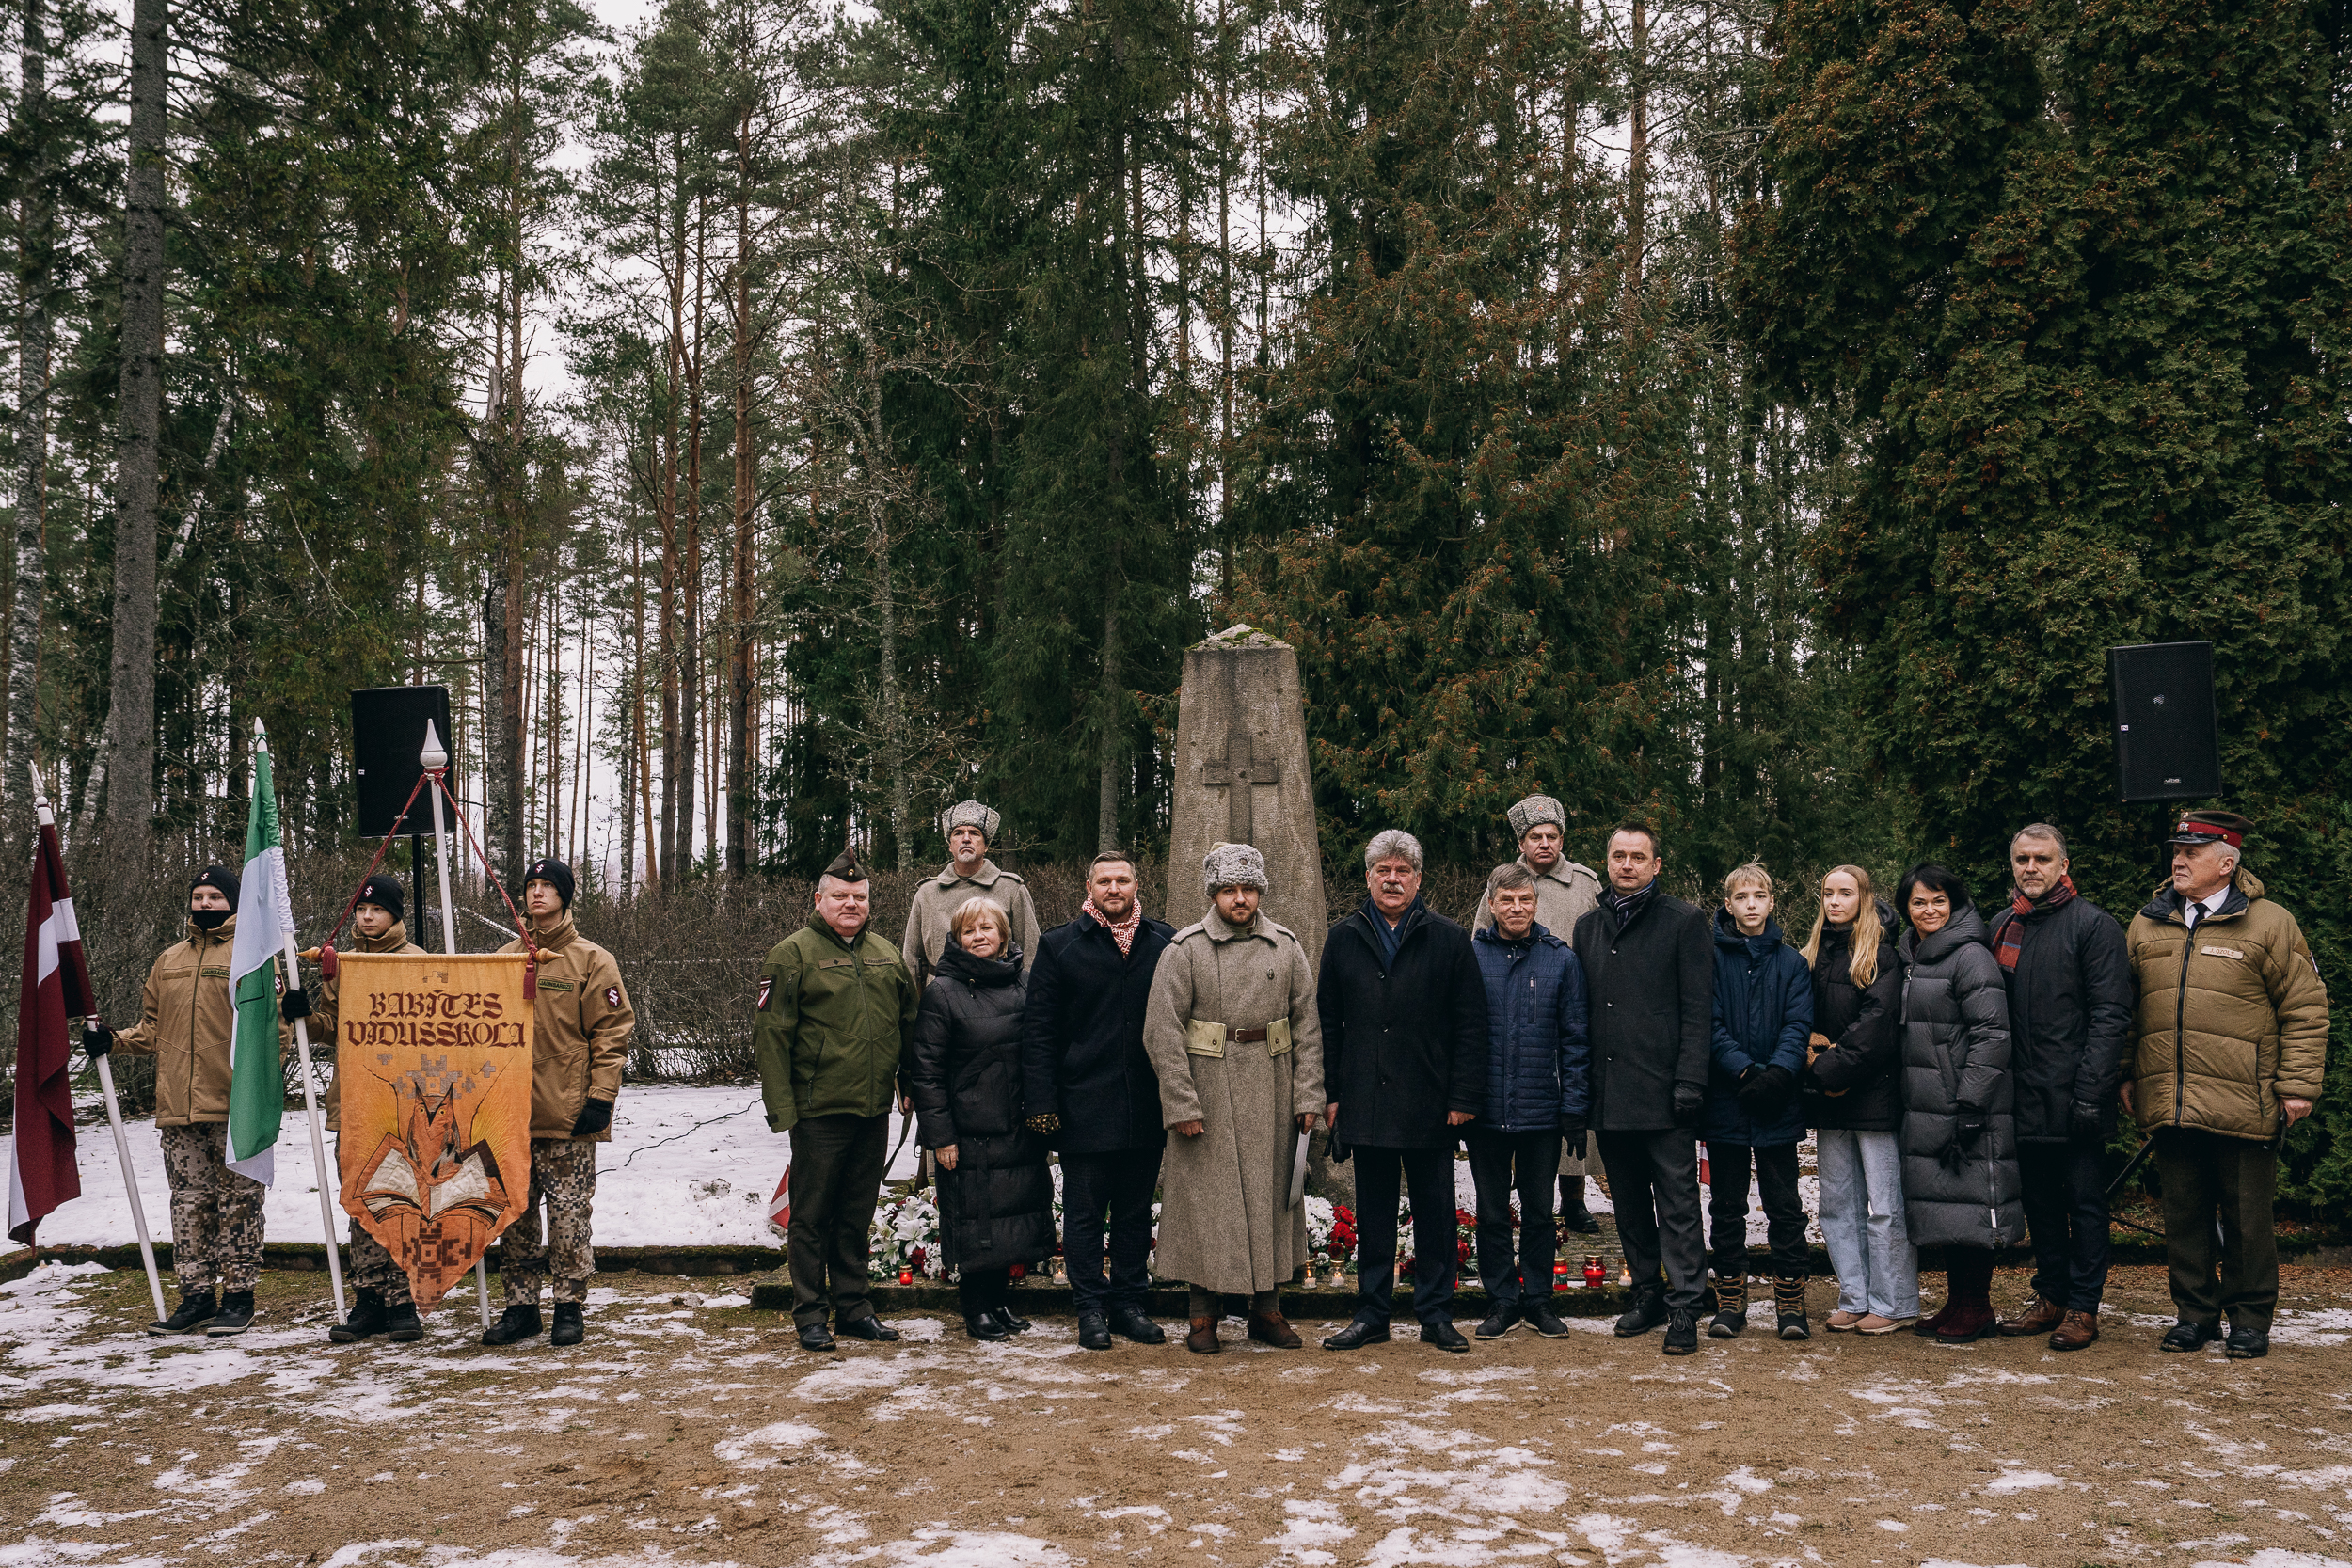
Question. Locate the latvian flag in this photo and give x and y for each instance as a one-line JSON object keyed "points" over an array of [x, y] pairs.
{"points": [[41, 1172]]}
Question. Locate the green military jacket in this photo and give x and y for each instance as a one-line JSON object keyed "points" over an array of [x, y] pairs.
{"points": [[832, 1025]]}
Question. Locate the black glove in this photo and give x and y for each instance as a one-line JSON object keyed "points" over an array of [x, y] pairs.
{"points": [[595, 1118], [1690, 1104], [1951, 1156], [294, 1005], [97, 1040], [1968, 1126], [2089, 1125], [1764, 1091], [1573, 1129]]}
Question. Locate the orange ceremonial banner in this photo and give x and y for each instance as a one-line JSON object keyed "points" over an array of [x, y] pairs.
{"points": [[432, 1065]]}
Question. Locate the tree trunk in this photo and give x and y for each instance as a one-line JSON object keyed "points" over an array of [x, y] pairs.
{"points": [[689, 674], [1107, 790], [739, 610], [130, 685], [37, 228]]}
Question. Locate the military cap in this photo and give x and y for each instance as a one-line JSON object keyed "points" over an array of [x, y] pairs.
{"points": [[1232, 866], [1534, 812], [847, 868], [970, 813], [2212, 826]]}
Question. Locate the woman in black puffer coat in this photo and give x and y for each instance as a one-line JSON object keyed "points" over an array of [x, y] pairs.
{"points": [[1960, 1186], [996, 1194]]}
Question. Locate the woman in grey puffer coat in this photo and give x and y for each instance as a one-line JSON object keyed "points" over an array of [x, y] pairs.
{"points": [[1961, 1189]]}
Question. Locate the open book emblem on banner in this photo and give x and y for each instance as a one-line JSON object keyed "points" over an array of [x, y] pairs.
{"points": [[432, 1059]]}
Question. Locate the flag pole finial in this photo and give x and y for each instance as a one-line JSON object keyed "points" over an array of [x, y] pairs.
{"points": [[41, 812], [261, 736], [435, 756]]}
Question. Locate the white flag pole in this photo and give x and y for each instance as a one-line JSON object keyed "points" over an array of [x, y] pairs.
{"points": [[311, 1100], [434, 760], [114, 1111]]}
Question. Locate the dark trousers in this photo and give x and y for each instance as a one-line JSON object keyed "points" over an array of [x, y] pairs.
{"points": [[1427, 1175], [1654, 1182], [2207, 1176], [980, 1291], [1119, 1183], [1727, 1208], [1498, 1162], [838, 1165], [2066, 1216]]}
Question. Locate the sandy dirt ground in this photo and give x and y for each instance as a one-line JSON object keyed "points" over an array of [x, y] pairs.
{"points": [[691, 1430]]}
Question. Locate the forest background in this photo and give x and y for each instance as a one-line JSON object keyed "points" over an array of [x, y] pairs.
{"points": [[774, 422]]}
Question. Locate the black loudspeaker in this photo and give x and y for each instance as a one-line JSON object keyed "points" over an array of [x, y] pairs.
{"points": [[387, 735], [2166, 747]]}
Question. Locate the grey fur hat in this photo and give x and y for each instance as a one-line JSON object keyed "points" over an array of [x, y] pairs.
{"points": [[1232, 866], [1534, 812], [970, 813]]}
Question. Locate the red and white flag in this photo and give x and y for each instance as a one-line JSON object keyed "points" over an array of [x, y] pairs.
{"points": [[41, 1172], [780, 1205]]}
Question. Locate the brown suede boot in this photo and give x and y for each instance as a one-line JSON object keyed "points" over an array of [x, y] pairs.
{"points": [[2079, 1329], [1202, 1339], [1273, 1329], [2041, 1316]]}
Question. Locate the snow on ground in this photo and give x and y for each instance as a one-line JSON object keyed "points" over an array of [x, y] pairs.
{"points": [[687, 1167]]}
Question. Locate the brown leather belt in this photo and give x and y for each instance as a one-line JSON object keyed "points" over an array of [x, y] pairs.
{"points": [[1244, 1037]]}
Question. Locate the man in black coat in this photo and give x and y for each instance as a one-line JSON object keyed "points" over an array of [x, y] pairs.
{"points": [[1089, 1087], [1403, 1014], [1649, 969], [2071, 995]]}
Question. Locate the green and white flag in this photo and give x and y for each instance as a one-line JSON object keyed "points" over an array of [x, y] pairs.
{"points": [[257, 1085]]}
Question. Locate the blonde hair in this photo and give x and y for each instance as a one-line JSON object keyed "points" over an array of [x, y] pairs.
{"points": [[1740, 876], [973, 910], [1868, 932]]}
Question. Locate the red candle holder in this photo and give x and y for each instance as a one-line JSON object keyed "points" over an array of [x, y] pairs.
{"points": [[906, 1275], [1594, 1276]]}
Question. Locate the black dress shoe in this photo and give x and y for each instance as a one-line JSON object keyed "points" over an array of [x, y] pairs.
{"points": [[1682, 1332], [400, 1324], [1579, 1219], [1444, 1335], [2247, 1344], [1647, 1311], [1133, 1323], [984, 1325], [1356, 1336], [1544, 1320], [571, 1325], [1094, 1331], [1498, 1322], [193, 1313], [368, 1319], [817, 1337], [1014, 1322], [235, 1315], [515, 1323], [2189, 1337], [875, 1331]]}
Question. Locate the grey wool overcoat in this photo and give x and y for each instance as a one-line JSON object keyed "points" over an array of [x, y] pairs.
{"points": [[1226, 1221]]}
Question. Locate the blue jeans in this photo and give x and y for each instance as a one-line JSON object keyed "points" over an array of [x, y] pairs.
{"points": [[1862, 1223]]}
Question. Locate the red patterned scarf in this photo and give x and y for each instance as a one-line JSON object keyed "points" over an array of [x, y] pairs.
{"points": [[2013, 933], [1122, 931]]}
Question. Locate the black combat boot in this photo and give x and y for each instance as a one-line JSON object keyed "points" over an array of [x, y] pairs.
{"points": [[515, 1323], [1788, 1302], [1646, 1312], [195, 1309], [571, 1323], [367, 1318], [1731, 1307], [400, 1324], [235, 1315]]}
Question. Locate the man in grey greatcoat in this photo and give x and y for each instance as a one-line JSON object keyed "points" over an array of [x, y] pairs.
{"points": [[1233, 1035], [1566, 893], [969, 829]]}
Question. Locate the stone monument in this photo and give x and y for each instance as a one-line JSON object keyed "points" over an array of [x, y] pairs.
{"points": [[1241, 777]]}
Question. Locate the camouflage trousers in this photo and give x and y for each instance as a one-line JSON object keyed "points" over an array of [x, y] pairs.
{"points": [[372, 1269], [562, 1176], [216, 1212]]}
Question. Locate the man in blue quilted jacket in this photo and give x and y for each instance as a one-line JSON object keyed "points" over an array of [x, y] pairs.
{"points": [[1538, 1095]]}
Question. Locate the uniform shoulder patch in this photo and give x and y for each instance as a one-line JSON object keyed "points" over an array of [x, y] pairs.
{"points": [[612, 996], [766, 987]]}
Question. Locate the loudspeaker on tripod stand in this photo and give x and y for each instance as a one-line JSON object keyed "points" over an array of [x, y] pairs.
{"points": [[2165, 744]]}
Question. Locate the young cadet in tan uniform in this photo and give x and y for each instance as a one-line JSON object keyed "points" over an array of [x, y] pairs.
{"points": [[584, 1024], [968, 827], [380, 1300], [188, 1022]]}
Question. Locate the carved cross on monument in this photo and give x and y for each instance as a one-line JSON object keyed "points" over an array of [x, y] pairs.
{"points": [[1238, 768]]}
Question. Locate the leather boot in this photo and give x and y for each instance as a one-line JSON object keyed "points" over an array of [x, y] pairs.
{"points": [[1927, 1327], [400, 1325], [1202, 1339], [1966, 1322], [516, 1324], [2038, 1316], [367, 1318], [2075, 1331], [1272, 1329], [1788, 1304], [195, 1310], [571, 1325], [235, 1315], [1731, 1307]]}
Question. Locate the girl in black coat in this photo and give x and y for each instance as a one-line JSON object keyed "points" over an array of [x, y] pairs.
{"points": [[1853, 1102], [996, 1194]]}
